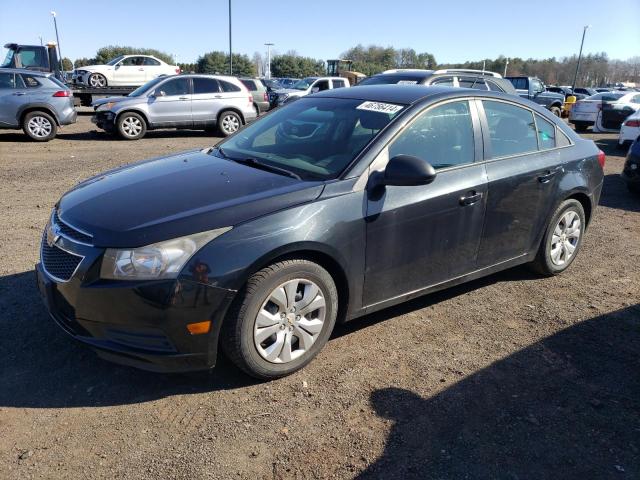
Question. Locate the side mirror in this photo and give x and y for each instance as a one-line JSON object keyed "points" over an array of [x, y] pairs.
{"points": [[158, 93], [315, 89], [408, 171]]}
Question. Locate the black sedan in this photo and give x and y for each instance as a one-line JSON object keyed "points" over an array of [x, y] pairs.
{"points": [[631, 170], [338, 205]]}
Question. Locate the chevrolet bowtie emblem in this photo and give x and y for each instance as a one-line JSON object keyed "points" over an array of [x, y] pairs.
{"points": [[53, 234]]}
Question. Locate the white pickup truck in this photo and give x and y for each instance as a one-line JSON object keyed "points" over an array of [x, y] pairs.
{"points": [[307, 86]]}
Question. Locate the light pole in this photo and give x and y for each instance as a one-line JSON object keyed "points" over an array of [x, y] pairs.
{"points": [[40, 37], [55, 24], [269, 45], [506, 64], [230, 49], [575, 77]]}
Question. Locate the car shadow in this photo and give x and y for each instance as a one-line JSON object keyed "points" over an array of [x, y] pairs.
{"points": [[615, 194], [567, 406]]}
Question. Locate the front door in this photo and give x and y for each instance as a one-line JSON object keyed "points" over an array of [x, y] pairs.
{"points": [[171, 104], [522, 176], [130, 71], [421, 236]]}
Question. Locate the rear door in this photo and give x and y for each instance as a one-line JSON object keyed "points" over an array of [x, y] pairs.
{"points": [[171, 104], [11, 98], [206, 101], [421, 236], [234, 95], [523, 167]]}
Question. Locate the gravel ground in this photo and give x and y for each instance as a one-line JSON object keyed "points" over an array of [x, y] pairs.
{"points": [[512, 376]]}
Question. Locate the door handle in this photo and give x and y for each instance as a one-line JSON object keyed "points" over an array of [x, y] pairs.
{"points": [[547, 176], [470, 199], [19, 94], [217, 96], [141, 69], [183, 98]]}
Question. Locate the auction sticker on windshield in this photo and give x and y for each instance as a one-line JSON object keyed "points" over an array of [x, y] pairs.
{"points": [[379, 107]]}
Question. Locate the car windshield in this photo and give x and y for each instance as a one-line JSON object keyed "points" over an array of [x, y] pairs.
{"points": [[313, 138], [113, 61], [606, 96], [7, 59], [388, 79], [303, 84], [145, 88]]}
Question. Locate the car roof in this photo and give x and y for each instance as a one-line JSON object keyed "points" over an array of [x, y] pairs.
{"points": [[26, 70], [403, 94], [406, 73]]}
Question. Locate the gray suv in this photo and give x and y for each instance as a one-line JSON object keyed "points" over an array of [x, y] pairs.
{"points": [[199, 102], [36, 102]]}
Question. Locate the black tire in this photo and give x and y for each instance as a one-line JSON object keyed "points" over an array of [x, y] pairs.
{"points": [[557, 111], [237, 335], [543, 263], [581, 128], [131, 126], [634, 188], [229, 122], [97, 80], [39, 126]]}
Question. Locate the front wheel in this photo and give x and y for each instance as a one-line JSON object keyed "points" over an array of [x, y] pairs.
{"points": [[557, 111], [39, 126], [281, 320], [562, 239], [97, 80], [131, 126]]}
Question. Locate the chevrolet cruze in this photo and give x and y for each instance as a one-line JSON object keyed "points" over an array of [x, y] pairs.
{"points": [[335, 206]]}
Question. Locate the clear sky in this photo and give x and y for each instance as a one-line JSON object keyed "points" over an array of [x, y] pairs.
{"points": [[452, 31]]}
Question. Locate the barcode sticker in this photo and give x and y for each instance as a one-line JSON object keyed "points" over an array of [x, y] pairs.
{"points": [[379, 107]]}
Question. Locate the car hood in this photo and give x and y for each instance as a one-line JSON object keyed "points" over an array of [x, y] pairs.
{"points": [[173, 196], [102, 101], [93, 68]]}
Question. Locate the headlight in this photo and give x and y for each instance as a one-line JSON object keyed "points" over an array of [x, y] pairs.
{"points": [[283, 96], [105, 106], [156, 261]]}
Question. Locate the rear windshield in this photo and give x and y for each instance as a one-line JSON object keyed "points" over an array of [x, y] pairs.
{"points": [[315, 138], [389, 79], [606, 96]]}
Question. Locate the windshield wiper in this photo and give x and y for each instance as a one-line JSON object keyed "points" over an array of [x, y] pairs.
{"points": [[254, 162]]}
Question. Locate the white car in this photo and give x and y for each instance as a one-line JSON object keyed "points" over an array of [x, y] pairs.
{"points": [[307, 86], [630, 129], [585, 112], [125, 70]]}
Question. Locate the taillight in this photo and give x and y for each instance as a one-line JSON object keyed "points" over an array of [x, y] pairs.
{"points": [[632, 123], [250, 99], [266, 97], [62, 93], [178, 71], [601, 158]]}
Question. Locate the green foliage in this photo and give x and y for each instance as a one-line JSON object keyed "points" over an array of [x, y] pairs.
{"points": [[188, 67], [375, 59], [291, 65], [67, 65], [83, 62], [218, 62], [104, 54]]}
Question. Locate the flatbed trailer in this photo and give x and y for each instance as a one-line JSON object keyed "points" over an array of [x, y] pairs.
{"points": [[84, 95]]}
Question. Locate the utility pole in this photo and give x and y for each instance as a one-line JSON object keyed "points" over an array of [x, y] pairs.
{"points": [[506, 64], [575, 77], [55, 24], [269, 45], [40, 37], [230, 49]]}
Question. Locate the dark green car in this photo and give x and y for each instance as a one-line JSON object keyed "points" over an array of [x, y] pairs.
{"points": [[259, 92]]}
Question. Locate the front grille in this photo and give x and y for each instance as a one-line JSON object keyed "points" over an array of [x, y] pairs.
{"points": [[58, 263], [71, 232]]}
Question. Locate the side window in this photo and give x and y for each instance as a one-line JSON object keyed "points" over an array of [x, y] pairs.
{"points": [[338, 83], [205, 85], [442, 135], [229, 87], [177, 86], [151, 62], [471, 82], [546, 133], [562, 140], [494, 87], [635, 99], [30, 57], [511, 129], [536, 86], [7, 80], [30, 81], [443, 82], [322, 85], [519, 83]]}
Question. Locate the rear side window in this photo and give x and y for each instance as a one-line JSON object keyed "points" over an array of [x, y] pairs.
{"points": [[250, 84], [546, 133], [338, 84], [205, 85], [30, 81], [519, 83], [7, 80], [494, 87], [443, 136], [151, 62], [562, 140], [470, 82], [229, 87], [512, 129], [443, 82]]}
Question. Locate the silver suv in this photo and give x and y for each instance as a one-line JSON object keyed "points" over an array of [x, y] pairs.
{"points": [[200, 102], [36, 102]]}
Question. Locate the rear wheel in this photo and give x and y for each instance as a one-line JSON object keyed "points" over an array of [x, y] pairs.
{"points": [[229, 123], [281, 320], [562, 239], [581, 127], [131, 126], [97, 80], [39, 126], [557, 111]]}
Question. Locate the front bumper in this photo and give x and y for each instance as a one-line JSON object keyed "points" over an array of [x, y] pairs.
{"points": [[140, 324], [104, 120]]}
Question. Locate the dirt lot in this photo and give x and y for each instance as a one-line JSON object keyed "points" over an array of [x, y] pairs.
{"points": [[512, 376]]}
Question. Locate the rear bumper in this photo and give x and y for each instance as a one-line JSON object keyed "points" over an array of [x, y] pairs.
{"points": [[631, 171], [68, 117]]}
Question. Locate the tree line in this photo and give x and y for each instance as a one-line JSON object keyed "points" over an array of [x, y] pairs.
{"points": [[595, 69]]}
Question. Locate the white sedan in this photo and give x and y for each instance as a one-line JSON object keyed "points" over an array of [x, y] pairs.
{"points": [[630, 129], [125, 70], [585, 112]]}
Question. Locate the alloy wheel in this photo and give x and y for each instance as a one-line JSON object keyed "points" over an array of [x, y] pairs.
{"points": [[230, 124], [565, 238], [97, 81], [39, 127], [131, 126], [289, 321]]}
